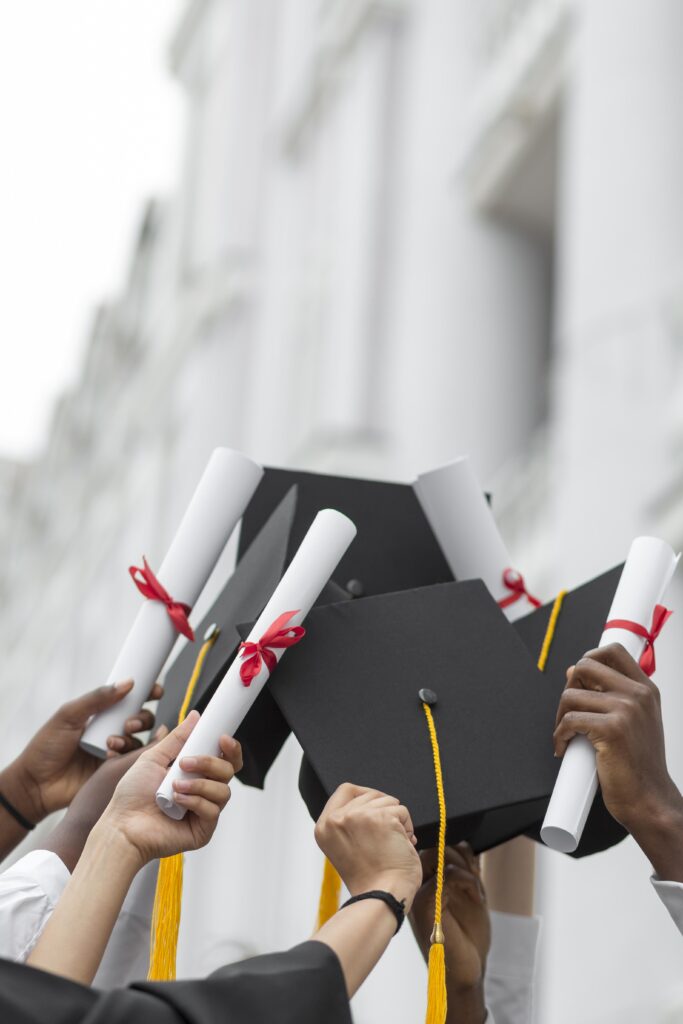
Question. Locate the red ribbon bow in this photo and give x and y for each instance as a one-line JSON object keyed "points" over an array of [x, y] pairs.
{"points": [[277, 636], [150, 588], [514, 581], [659, 618]]}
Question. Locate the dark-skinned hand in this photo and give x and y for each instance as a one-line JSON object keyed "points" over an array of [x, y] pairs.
{"points": [[466, 926], [609, 699]]}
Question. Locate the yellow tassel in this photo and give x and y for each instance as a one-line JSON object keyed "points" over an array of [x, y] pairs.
{"points": [[437, 999], [330, 891], [169, 891], [437, 1006], [550, 631]]}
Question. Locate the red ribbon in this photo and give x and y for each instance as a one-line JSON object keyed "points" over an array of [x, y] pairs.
{"points": [[277, 636], [150, 588], [514, 581], [659, 618]]}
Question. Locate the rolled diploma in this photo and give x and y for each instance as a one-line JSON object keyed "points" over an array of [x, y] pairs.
{"points": [[222, 495], [462, 522], [644, 579], [316, 559]]}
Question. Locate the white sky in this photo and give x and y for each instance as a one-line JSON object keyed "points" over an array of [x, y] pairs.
{"points": [[90, 125]]}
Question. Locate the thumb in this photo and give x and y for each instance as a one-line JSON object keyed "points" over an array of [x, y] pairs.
{"points": [[77, 712], [168, 748]]}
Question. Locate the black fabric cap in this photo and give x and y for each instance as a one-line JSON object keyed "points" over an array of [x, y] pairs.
{"points": [[350, 694], [395, 548], [578, 630], [264, 730]]}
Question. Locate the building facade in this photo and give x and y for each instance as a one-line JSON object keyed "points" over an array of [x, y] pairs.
{"points": [[402, 231]]}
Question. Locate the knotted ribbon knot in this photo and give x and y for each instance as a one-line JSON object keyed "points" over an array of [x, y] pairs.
{"points": [[514, 581], [150, 588], [659, 618], [277, 636]]}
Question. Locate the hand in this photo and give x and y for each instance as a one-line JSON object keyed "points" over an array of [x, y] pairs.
{"points": [[610, 700], [133, 811], [52, 767], [465, 917], [369, 838], [69, 836]]}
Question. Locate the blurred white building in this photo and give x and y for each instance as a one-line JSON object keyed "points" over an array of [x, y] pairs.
{"points": [[403, 230]]}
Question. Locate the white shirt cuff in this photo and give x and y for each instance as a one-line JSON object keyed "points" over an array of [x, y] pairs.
{"points": [[513, 946], [671, 895]]}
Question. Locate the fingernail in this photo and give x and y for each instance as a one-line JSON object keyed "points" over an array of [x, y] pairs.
{"points": [[135, 725], [189, 763], [182, 785], [122, 687], [115, 743], [180, 798]]}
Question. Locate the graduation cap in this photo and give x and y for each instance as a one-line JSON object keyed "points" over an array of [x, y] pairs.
{"points": [[395, 548], [259, 570], [579, 618], [351, 696]]}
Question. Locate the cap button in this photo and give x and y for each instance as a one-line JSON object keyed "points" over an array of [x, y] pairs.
{"points": [[427, 696], [355, 588]]}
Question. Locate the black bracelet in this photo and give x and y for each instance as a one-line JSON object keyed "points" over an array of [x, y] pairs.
{"points": [[397, 907], [17, 815]]}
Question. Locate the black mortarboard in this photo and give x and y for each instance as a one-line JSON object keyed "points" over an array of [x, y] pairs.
{"points": [[578, 629], [350, 694], [395, 548], [258, 571]]}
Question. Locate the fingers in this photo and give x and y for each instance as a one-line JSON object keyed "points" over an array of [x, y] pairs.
{"points": [[591, 674], [142, 722], [157, 692], [584, 723], [344, 794], [76, 712], [586, 700], [215, 768], [123, 744], [206, 810], [232, 751], [616, 656], [169, 747], [217, 793]]}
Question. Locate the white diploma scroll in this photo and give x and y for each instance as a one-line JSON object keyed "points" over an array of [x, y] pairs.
{"points": [[316, 559], [646, 575], [222, 495], [462, 522]]}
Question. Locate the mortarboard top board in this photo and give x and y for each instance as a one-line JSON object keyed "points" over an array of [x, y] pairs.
{"points": [[578, 629], [350, 694], [248, 589], [395, 548]]}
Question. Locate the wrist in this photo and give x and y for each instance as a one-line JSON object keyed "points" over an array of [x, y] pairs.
{"points": [[394, 882], [466, 1005], [110, 834], [659, 833], [18, 786]]}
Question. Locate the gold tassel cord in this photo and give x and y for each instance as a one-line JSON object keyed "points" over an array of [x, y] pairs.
{"points": [[330, 892], [169, 890], [437, 1002], [550, 630]]}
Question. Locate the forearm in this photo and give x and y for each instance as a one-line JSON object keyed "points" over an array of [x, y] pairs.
{"points": [[75, 937], [68, 838], [359, 935], [659, 833], [465, 1006], [508, 876], [19, 793]]}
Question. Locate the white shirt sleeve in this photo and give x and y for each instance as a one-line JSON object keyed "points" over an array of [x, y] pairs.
{"points": [[509, 982], [29, 891], [671, 895], [126, 957]]}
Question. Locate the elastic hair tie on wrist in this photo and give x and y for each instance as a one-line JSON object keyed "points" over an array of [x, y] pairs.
{"points": [[17, 815]]}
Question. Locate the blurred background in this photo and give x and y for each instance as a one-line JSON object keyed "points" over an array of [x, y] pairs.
{"points": [[359, 236]]}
